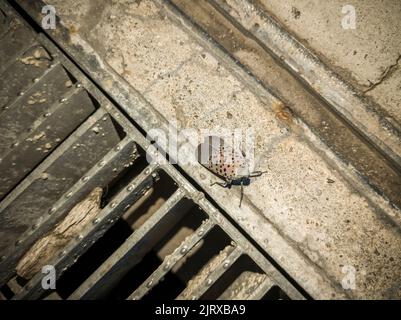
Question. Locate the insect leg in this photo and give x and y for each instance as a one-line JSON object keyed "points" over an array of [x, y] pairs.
{"points": [[221, 184], [256, 174]]}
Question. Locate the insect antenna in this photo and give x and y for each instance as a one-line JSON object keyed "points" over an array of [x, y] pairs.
{"points": [[256, 174]]}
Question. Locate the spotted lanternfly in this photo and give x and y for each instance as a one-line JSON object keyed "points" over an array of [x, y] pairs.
{"points": [[226, 163]]}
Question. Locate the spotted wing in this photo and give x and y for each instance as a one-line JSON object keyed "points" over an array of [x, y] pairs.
{"points": [[219, 158]]}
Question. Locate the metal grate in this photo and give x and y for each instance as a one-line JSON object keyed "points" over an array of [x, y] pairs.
{"points": [[77, 139]]}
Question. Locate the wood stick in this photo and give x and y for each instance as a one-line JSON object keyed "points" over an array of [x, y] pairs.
{"points": [[51, 244]]}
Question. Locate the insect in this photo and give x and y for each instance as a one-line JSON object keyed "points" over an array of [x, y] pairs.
{"points": [[228, 164]]}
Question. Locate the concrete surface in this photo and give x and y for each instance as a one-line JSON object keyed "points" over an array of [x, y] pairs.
{"points": [[329, 127], [304, 194], [367, 56]]}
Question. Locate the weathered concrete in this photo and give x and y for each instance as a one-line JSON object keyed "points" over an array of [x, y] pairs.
{"points": [[365, 56], [306, 195], [342, 139]]}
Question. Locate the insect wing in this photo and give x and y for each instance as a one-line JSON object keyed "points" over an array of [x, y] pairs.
{"points": [[219, 158]]}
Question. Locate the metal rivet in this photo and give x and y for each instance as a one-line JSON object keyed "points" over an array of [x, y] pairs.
{"points": [[233, 243], [184, 250], [21, 93], [226, 264], [63, 100], [15, 144], [35, 226], [47, 114], [130, 188], [201, 232], [36, 80], [78, 85], [113, 205], [209, 282], [68, 195], [80, 237], [18, 242], [127, 207], [149, 284], [154, 175], [63, 253], [102, 163], [52, 210], [147, 171], [86, 178], [118, 148], [96, 221], [166, 266]]}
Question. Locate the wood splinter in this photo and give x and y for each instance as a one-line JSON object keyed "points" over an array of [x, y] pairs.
{"points": [[42, 252]]}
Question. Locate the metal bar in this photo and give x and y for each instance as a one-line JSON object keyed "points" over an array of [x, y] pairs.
{"points": [[45, 164], [233, 233], [98, 95], [57, 123], [13, 85], [43, 120], [5, 23], [148, 119], [12, 253], [184, 184], [105, 219], [97, 176], [247, 286], [31, 86], [31, 106], [171, 260], [197, 287], [27, 40], [130, 251], [261, 290]]}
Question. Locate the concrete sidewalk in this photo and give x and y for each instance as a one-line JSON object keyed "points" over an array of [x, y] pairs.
{"points": [[331, 220], [367, 56]]}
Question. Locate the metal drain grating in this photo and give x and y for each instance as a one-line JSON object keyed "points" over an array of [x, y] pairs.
{"points": [[61, 138]]}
